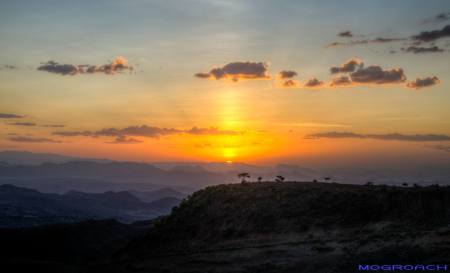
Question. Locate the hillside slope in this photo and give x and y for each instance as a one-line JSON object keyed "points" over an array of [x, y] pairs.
{"points": [[296, 227]]}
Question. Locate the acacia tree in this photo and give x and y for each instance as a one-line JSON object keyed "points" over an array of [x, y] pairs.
{"points": [[243, 177], [279, 178], [259, 179]]}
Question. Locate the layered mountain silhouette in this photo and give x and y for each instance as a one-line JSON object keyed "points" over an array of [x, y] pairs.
{"points": [[21, 207]]}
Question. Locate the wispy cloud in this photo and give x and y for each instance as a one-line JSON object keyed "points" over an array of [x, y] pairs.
{"points": [[22, 123], [378, 40], [444, 148], [441, 17], [145, 131], [54, 125], [124, 140], [393, 136], [5, 115], [33, 139], [421, 49]]}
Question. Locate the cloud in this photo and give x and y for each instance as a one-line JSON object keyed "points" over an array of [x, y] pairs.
{"points": [[237, 71], [202, 75], [419, 49], [54, 125], [393, 136], [5, 115], [11, 67], [145, 131], [119, 64], [423, 82], [340, 81], [291, 83], [350, 66], [376, 75], [346, 34], [378, 40], [441, 17], [313, 82], [210, 131], [433, 35], [124, 140], [33, 139], [444, 148], [22, 124], [63, 69], [287, 74]]}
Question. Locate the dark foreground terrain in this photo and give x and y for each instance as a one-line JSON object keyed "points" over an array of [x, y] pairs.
{"points": [[253, 227]]}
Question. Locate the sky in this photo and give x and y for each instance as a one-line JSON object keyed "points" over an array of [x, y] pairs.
{"points": [[318, 83]]}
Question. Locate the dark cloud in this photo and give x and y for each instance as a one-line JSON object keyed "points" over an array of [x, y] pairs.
{"points": [[340, 81], [287, 74], [290, 83], [4, 115], [119, 64], [349, 66], [124, 140], [313, 83], [202, 75], [145, 131], [376, 75], [346, 34], [433, 35], [237, 71], [423, 82], [22, 123], [33, 139], [378, 40], [419, 49], [393, 136], [63, 69]]}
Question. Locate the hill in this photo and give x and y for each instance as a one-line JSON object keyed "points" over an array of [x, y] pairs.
{"points": [[297, 227], [254, 227]]}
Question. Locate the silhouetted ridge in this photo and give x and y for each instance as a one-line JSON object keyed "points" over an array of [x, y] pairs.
{"points": [[225, 212]]}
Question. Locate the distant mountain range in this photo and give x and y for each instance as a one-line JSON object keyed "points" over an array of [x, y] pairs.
{"points": [[29, 158], [21, 207], [59, 174]]}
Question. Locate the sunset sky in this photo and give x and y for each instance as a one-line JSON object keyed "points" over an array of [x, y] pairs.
{"points": [[318, 83]]}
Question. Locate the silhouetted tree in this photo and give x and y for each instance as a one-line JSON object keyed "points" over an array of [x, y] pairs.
{"points": [[315, 180], [405, 184], [415, 185], [279, 178], [259, 179], [243, 177], [327, 178]]}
